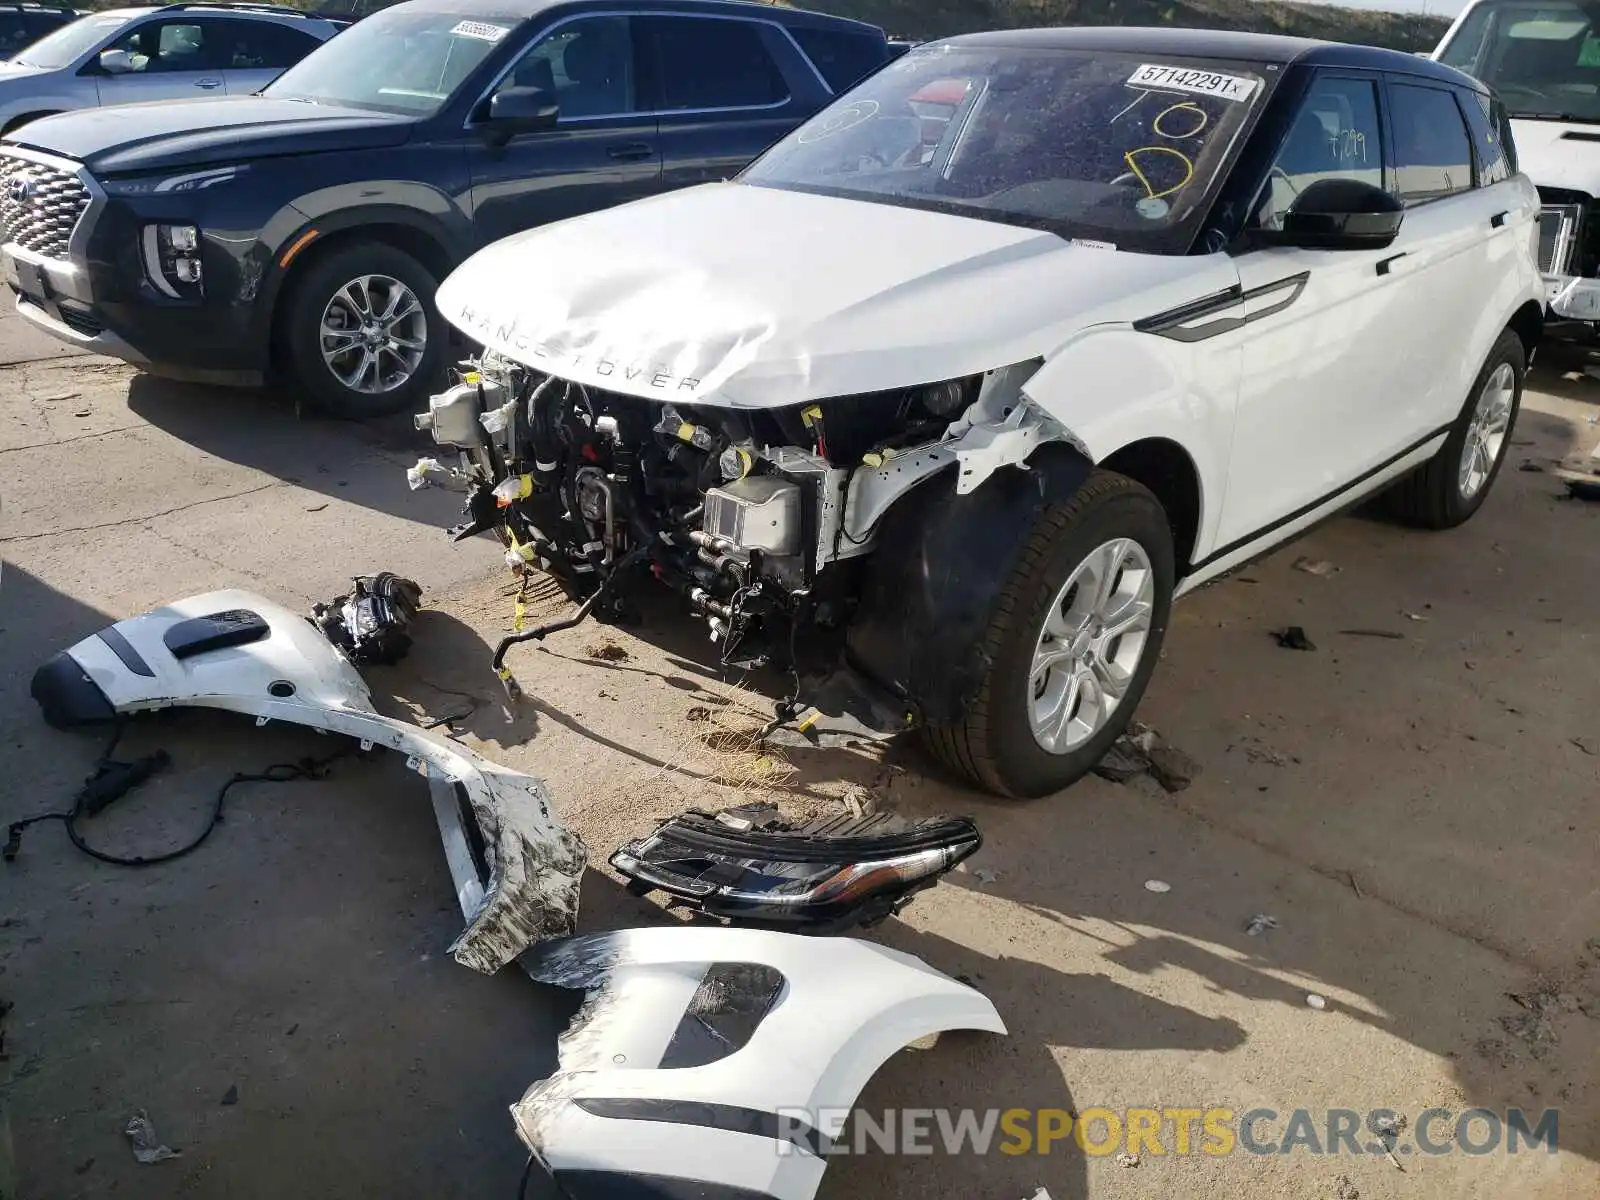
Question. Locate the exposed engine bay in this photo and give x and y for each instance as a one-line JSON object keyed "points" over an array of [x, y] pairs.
{"points": [[762, 519]]}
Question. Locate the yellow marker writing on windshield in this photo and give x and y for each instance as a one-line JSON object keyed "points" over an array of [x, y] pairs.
{"points": [[1188, 109], [1131, 158]]}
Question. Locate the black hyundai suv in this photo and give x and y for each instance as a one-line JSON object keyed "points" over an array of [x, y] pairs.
{"points": [[300, 233]]}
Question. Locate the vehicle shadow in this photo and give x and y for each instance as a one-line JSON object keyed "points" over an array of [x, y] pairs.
{"points": [[447, 676], [359, 462]]}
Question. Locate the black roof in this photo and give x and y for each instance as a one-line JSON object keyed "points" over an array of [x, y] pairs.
{"points": [[1220, 43], [521, 10]]}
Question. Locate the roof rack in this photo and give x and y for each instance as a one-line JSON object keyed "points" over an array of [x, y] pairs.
{"points": [[282, 10]]}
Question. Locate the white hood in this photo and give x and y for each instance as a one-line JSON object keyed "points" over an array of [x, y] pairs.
{"points": [[756, 297], [1551, 158]]}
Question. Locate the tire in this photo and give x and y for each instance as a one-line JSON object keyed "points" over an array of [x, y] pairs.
{"points": [[398, 380], [993, 744], [1435, 495]]}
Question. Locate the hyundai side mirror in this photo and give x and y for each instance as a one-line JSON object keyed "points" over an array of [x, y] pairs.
{"points": [[515, 110], [1341, 214], [116, 62]]}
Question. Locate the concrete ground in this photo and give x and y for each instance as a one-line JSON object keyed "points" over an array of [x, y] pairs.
{"points": [[1417, 813]]}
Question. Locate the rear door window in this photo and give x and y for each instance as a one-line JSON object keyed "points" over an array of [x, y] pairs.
{"points": [[260, 45], [1495, 164], [711, 63], [1432, 152], [843, 59]]}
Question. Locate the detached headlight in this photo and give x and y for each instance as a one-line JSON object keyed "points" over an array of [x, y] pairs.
{"points": [[172, 260], [160, 185]]}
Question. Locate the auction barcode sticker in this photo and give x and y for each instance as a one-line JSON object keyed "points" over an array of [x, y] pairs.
{"points": [[1187, 79], [482, 31]]}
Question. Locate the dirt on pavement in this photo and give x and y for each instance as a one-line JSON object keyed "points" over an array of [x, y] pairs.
{"points": [[1415, 812]]}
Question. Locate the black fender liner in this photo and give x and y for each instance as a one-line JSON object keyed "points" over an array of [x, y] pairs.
{"points": [[931, 588]]}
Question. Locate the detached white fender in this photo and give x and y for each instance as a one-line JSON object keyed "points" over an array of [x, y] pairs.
{"points": [[238, 651], [718, 1063]]}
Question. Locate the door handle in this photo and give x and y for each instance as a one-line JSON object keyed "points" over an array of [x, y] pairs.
{"points": [[630, 151], [1385, 265], [208, 84], [1499, 220]]}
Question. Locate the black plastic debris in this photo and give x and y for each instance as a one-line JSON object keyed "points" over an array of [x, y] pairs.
{"points": [[1293, 638], [1143, 751], [371, 625], [824, 876]]}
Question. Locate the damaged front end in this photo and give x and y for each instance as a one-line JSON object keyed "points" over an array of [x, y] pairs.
{"points": [[515, 867], [721, 1064], [766, 520]]}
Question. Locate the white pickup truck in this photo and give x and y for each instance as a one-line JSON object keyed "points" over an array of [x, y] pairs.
{"points": [[1542, 58]]}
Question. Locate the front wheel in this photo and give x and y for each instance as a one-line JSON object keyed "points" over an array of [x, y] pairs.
{"points": [[362, 334], [1075, 636], [1453, 484]]}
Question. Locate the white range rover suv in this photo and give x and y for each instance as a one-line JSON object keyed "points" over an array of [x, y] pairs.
{"points": [[942, 401]]}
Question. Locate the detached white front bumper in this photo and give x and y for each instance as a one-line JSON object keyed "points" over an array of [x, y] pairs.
{"points": [[516, 868]]}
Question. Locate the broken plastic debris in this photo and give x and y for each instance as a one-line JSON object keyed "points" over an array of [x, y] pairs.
{"points": [[984, 876], [1127, 1160], [147, 1147], [1156, 885], [1259, 924], [1142, 750], [1320, 567], [1041, 1194], [1315, 1001], [1172, 768], [370, 623], [432, 471], [1293, 638]]}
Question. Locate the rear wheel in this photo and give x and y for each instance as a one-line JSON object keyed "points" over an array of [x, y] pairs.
{"points": [[1452, 485], [1074, 639], [363, 337]]}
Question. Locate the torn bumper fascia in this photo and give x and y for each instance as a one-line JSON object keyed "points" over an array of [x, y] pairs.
{"points": [[1003, 428], [712, 1062], [516, 874]]}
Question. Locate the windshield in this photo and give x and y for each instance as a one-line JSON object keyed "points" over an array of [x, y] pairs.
{"points": [[399, 60], [1542, 59], [69, 43], [1123, 148]]}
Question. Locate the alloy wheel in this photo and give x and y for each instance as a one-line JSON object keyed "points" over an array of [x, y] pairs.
{"points": [[1486, 434], [1089, 648], [374, 334]]}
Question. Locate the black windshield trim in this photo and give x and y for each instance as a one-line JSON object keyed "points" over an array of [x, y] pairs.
{"points": [[948, 208]]}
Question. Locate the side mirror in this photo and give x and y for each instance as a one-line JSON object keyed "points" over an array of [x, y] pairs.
{"points": [[116, 62], [1342, 214], [515, 110]]}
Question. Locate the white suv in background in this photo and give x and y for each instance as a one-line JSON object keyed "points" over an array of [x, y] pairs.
{"points": [[1542, 58], [125, 55]]}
